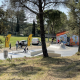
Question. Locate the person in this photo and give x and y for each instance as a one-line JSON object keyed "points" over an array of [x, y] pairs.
{"points": [[52, 39], [16, 45], [25, 49], [58, 40], [61, 41], [10, 46], [20, 45]]}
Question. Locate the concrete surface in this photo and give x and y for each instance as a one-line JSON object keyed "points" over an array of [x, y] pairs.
{"points": [[52, 49]]}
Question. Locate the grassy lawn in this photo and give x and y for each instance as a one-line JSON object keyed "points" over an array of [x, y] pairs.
{"points": [[13, 39], [39, 68]]}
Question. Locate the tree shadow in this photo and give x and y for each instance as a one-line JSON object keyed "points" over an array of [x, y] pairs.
{"points": [[3, 69], [61, 67], [26, 70], [20, 69], [15, 79]]}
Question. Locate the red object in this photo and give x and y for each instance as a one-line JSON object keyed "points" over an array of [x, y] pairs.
{"points": [[58, 41], [61, 33]]}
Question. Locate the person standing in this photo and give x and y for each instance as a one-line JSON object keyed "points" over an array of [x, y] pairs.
{"points": [[58, 41], [16, 45], [52, 39], [10, 46]]}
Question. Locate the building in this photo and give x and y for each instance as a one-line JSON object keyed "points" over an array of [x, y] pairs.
{"points": [[62, 37]]}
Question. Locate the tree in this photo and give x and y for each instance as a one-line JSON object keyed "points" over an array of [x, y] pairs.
{"points": [[18, 26], [20, 15], [3, 22], [33, 28], [37, 7], [11, 20], [55, 19], [74, 14]]}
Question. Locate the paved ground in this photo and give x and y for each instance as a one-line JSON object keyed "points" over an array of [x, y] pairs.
{"points": [[67, 51], [13, 49]]}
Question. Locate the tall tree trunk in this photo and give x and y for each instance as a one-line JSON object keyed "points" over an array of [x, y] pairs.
{"points": [[79, 41], [33, 28], [18, 26], [54, 29], [45, 54]]}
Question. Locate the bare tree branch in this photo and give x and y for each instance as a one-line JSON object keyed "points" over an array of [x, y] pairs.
{"points": [[55, 3], [28, 8], [34, 2]]}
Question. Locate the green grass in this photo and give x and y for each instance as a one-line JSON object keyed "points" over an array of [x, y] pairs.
{"points": [[39, 68], [13, 39]]}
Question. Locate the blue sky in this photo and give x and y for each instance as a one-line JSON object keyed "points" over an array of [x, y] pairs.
{"points": [[1, 2]]}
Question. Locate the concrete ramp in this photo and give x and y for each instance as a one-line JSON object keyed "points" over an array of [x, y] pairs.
{"points": [[57, 46], [35, 52]]}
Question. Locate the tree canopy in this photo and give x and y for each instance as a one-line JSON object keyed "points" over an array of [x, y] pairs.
{"points": [[54, 18], [37, 7]]}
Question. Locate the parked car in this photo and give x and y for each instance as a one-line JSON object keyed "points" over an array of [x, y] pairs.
{"points": [[35, 41], [23, 43]]}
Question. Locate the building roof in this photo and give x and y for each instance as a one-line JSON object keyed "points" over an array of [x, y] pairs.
{"points": [[61, 33]]}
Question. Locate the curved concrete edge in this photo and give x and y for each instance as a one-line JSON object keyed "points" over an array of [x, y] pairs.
{"points": [[52, 55], [35, 52], [57, 46]]}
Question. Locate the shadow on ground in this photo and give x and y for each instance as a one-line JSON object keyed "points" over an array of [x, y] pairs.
{"points": [[61, 67]]}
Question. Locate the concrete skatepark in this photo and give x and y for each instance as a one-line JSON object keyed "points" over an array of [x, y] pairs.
{"points": [[54, 50]]}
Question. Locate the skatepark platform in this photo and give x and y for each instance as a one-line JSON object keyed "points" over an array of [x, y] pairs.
{"points": [[54, 50]]}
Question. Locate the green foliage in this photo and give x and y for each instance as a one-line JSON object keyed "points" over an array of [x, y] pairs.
{"points": [[74, 17], [55, 19], [3, 23], [1, 41]]}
